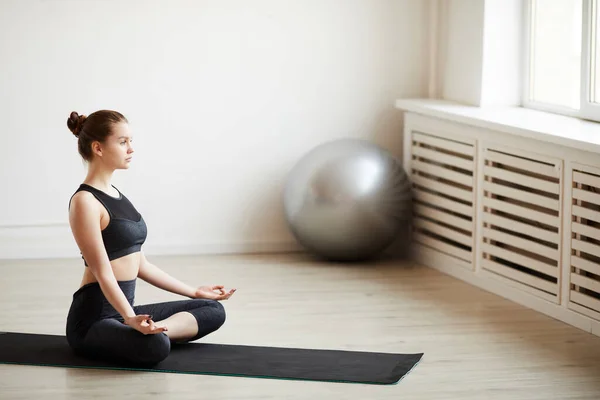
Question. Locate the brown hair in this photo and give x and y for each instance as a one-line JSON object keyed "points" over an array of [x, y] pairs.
{"points": [[95, 127]]}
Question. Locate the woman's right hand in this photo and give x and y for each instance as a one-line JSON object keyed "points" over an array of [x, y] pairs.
{"points": [[144, 324]]}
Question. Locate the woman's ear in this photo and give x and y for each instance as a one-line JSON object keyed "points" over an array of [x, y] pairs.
{"points": [[97, 148]]}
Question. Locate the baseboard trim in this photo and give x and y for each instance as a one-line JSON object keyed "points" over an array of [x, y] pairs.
{"points": [[223, 248], [44, 241], [443, 263], [36, 241]]}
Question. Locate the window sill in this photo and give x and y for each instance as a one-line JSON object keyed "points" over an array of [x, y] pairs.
{"points": [[553, 128]]}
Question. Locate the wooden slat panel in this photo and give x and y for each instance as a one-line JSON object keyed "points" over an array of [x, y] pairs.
{"points": [[586, 213], [443, 217], [443, 247], [519, 276], [516, 226], [586, 179], [586, 247], [522, 260], [585, 282], [443, 173], [524, 244], [586, 195], [585, 230], [585, 265], [522, 212], [448, 233], [443, 202], [585, 300], [523, 180], [521, 195], [527, 165], [443, 158], [453, 191], [466, 149]]}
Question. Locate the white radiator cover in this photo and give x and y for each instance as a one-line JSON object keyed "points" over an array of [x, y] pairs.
{"points": [[516, 216], [442, 173]]}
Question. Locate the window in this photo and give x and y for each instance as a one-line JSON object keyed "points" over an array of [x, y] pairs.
{"points": [[562, 68]]}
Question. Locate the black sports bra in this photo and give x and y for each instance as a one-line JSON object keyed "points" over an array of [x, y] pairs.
{"points": [[126, 230]]}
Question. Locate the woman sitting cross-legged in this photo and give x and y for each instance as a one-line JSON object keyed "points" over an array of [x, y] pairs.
{"points": [[103, 322]]}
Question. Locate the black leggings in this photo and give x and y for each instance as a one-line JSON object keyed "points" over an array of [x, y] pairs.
{"points": [[96, 330]]}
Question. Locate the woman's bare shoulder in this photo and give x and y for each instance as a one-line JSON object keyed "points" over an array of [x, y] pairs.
{"points": [[82, 199], [84, 203]]}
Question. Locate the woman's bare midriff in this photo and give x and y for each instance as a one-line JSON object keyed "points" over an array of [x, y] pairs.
{"points": [[125, 269]]}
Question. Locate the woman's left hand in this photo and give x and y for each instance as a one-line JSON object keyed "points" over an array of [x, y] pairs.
{"points": [[216, 292]]}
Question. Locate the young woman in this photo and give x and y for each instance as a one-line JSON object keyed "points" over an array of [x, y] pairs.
{"points": [[103, 321]]}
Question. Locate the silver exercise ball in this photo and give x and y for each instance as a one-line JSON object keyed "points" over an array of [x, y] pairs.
{"points": [[346, 200]]}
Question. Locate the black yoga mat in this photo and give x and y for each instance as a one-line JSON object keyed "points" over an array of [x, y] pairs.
{"points": [[224, 359]]}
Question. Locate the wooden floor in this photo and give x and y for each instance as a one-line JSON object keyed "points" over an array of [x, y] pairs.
{"points": [[477, 345]]}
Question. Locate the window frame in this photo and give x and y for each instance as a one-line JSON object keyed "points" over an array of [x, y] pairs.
{"points": [[587, 109]]}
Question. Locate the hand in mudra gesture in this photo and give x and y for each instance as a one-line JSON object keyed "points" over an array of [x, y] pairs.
{"points": [[144, 324], [215, 292]]}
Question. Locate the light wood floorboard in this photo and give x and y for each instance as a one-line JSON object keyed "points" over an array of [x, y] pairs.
{"points": [[477, 345]]}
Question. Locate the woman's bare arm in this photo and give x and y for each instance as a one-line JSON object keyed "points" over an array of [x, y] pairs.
{"points": [[159, 278], [84, 218]]}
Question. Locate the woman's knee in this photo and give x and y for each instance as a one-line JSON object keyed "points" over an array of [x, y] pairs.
{"points": [[219, 315], [212, 310], [210, 316], [153, 349], [110, 339]]}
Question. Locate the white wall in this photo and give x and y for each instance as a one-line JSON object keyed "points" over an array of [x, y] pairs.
{"points": [[223, 96], [462, 46], [480, 51]]}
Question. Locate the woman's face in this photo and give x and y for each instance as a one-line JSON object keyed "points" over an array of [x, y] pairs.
{"points": [[116, 151]]}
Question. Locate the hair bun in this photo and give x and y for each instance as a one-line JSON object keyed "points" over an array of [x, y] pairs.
{"points": [[75, 122]]}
